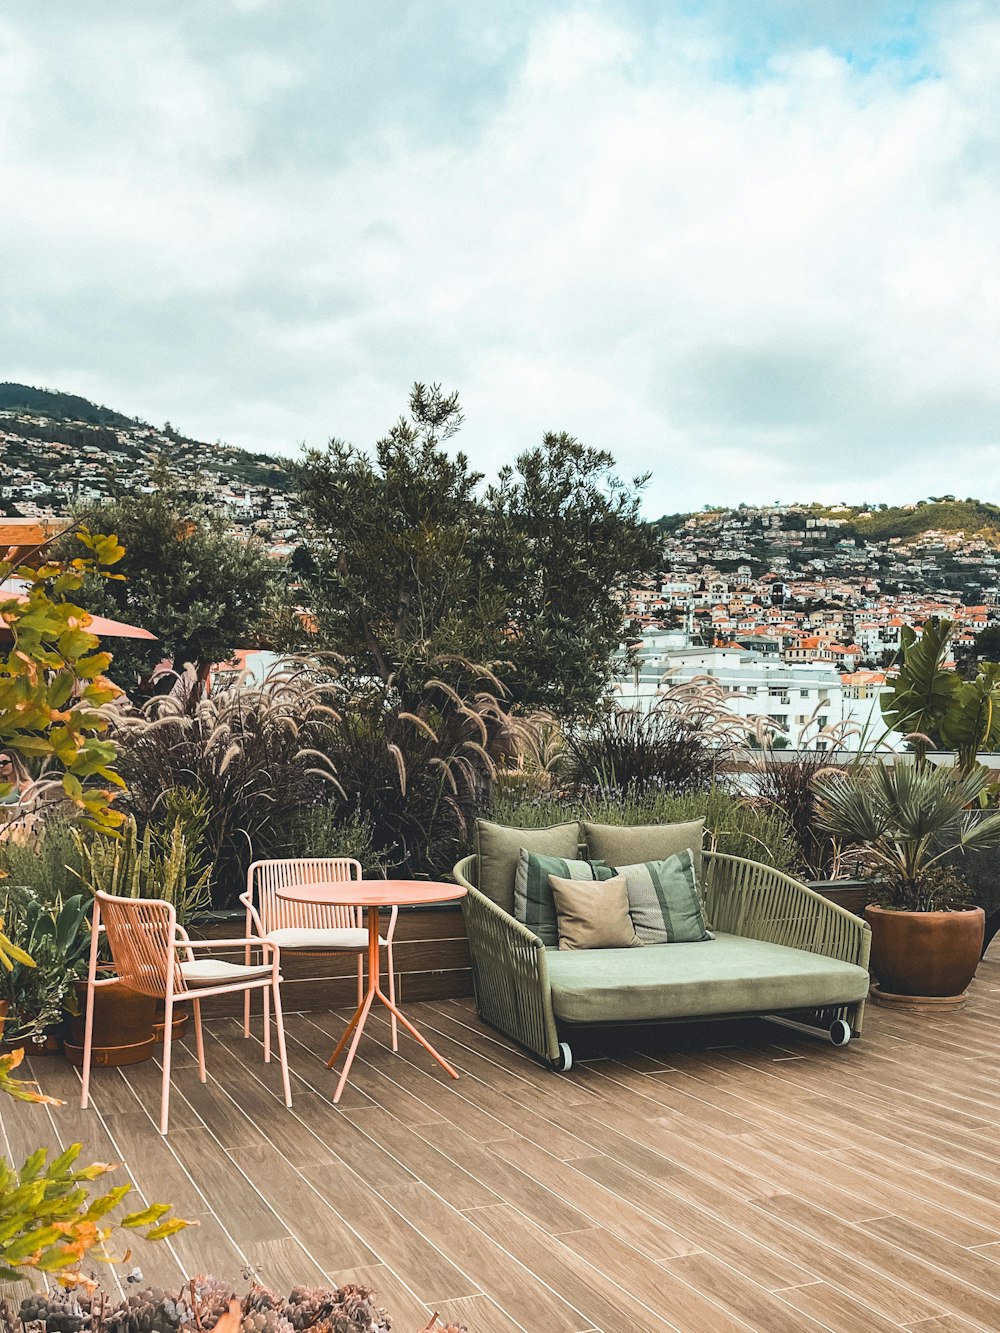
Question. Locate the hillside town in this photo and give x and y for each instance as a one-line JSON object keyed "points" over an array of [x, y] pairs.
{"points": [[799, 613], [48, 465], [798, 608]]}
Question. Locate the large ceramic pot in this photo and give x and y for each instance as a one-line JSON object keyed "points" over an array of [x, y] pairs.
{"points": [[924, 960], [123, 1026]]}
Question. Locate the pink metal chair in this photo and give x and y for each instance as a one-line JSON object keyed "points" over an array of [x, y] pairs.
{"points": [[152, 954], [303, 928]]}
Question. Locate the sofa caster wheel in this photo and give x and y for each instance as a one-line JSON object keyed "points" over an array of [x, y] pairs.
{"points": [[840, 1032], [564, 1060]]}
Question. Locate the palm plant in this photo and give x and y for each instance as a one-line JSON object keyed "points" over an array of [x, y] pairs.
{"points": [[911, 819]]}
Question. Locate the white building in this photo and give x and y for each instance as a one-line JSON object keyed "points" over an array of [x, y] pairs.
{"points": [[799, 699]]}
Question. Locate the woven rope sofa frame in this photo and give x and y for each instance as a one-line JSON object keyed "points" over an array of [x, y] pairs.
{"points": [[510, 969]]}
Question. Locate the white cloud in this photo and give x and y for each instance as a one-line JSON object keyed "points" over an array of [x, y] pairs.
{"points": [[773, 284]]}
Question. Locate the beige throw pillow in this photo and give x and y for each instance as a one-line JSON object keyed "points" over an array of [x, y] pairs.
{"points": [[593, 914]]}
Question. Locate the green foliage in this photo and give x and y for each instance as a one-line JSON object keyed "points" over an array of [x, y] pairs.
{"points": [[973, 517], [407, 561], [328, 830], [681, 744], [253, 758], [157, 864], [563, 535], [53, 403], [934, 706], [50, 1218], [52, 682], [735, 826], [202, 592], [53, 934], [43, 858], [912, 820]]}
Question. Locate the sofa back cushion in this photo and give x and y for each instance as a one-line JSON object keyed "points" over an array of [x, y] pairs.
{"points": [[497, 849], [534, 904], [624, 845], [593, 914], [663, 900]]}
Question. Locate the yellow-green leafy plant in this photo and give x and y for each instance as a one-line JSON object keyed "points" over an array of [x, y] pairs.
{"points": [[154, 865], [53, 686], [50, 1216]]}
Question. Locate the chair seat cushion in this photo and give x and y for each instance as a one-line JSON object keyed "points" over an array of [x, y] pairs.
{"points": [[315, 937], [725, 975], [219, 972]]}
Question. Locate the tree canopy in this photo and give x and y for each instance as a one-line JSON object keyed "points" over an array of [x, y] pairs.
{"points": [[201, 591], [411, 560]]}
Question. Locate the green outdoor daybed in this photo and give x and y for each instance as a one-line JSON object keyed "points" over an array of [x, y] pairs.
{"points": [[779, 951]]}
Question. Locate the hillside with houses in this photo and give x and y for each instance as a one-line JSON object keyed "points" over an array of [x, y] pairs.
{"points": [[58, 450]]}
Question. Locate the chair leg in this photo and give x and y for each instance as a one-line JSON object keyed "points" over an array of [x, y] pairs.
{"points": [[267, 1025], [168, 1036], [361, 978], [246, 1014], [279, 1024], [392, 995], [88, 1047], [199, 1039]]}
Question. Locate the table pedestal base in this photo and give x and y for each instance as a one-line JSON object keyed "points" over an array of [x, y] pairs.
{"points": [[374, 992]]}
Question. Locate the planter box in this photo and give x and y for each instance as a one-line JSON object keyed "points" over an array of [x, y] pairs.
{"points": [[851, 894], [430, 950]]}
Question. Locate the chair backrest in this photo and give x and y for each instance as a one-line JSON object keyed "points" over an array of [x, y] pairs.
{"points": [[142, 933], [264, 878]]}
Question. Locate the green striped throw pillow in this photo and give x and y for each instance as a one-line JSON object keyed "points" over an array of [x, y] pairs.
{"points": [[663, 900], [534, 904]]}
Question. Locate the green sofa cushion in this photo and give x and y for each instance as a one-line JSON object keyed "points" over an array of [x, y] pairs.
{"points": [[663, 900], [534, 904], [497, 849], [629, 845], [726, 975]]}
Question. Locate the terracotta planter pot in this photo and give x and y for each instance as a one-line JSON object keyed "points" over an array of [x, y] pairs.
{"points": [[123, 1027], [924, 960], [178, 1025]]}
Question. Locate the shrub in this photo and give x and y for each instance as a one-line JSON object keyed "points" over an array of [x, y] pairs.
{"points": [[789, 787], [420, 774], [735, 826], [681, 744], [248, 756], [43, 859], [53, 933], [157, 864], [325, 830]]}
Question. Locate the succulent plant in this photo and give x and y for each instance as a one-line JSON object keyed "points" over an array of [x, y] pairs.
{"points": [[201, 1304], [57, 1311]]}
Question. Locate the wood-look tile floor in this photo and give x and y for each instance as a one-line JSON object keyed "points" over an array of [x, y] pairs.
{"points": [[706, 1179]]}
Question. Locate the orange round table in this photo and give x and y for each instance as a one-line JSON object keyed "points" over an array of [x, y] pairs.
{"points": [[373, 895]]}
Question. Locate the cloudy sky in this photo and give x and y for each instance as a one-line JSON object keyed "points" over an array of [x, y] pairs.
{"points": [[751, 247]]}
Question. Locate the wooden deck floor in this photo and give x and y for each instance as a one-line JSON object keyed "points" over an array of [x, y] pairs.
{"points": [[670, 1182]]}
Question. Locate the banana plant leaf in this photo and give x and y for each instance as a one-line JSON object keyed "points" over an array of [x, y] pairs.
{"points": [[922, 692]]}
